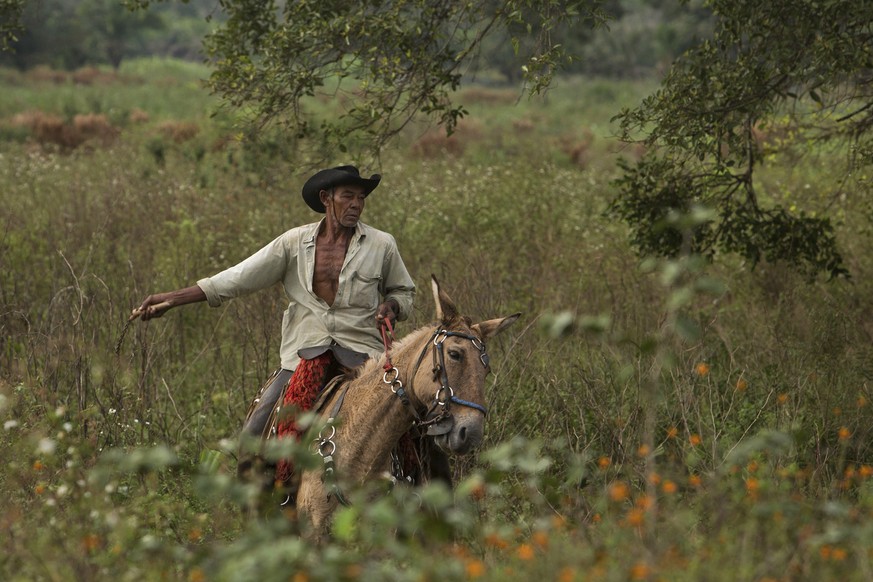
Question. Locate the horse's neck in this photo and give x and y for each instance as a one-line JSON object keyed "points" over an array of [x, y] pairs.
{"points": [[373, 418]]}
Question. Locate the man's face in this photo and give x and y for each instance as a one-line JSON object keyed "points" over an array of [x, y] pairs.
{"points": [[346, 204]]}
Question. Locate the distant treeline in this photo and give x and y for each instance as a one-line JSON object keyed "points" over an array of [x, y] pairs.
{"points": [[642, 38], [71, 34]]}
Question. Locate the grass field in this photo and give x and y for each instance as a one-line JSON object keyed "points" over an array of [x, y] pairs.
{"points": [[697, 422]]}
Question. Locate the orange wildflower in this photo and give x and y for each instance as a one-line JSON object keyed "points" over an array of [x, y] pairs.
{"points": [[844, 433], [741, 385], [861, 402], [300, 577], [525, 552], [618, 491], [695, 480], [596, 518], [695, 439], [643, 450], [38, 466], [39, 489], [540, 539], [672, 432], [195, 535], [702, 369], [566, 575], [640, 571], [644, 502], [865, 471], [603, 463], [196, 575], [91, 542], [839, 554], [669, 487], [825, 552], [752, 486], [636, 517], [654, 478], [475, 569], [782, 398]]}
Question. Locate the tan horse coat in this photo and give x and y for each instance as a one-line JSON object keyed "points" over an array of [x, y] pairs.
{"points": [[372, 418]]}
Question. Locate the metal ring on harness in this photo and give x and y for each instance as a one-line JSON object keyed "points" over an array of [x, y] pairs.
{"points": [[385, 375], [332, 428], [443, 401], [323, 444]]}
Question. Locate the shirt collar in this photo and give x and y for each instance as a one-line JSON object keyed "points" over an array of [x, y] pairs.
{"points": [[312, 231]]}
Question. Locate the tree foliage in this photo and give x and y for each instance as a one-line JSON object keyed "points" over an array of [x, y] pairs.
{"points": [[383, 61], [10, 21], [808, 60]]}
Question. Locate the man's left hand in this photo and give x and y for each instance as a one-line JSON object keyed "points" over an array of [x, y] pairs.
{"points": [[388, 310]]}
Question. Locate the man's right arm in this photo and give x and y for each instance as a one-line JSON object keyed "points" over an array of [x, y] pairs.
{"points": [[158, 304], [264, 268]]}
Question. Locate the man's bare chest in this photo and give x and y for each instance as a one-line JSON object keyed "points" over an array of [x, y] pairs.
{"points": [[329, 260]]}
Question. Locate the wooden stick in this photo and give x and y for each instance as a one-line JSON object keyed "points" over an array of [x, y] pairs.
{"points": [[133, 315]]}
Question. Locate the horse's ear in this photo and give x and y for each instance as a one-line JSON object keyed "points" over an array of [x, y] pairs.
{"points": [[445, 307], [492, 327]]}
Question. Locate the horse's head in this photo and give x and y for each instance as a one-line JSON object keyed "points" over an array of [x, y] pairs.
{"points": [[454, 386]]}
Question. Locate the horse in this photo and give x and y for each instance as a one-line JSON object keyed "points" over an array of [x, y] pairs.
{"points": [[364, 419]]}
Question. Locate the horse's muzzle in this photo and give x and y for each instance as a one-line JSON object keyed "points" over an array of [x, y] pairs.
{"points": [[465, 435]]}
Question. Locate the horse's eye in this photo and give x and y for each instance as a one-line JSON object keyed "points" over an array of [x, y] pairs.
{"points": [[455, 355]]}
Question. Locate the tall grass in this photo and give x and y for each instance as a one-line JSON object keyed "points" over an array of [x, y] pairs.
{"points": [[629, 451]]}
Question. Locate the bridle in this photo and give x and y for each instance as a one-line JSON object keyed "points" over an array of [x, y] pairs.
{"points": [[439, 409]]}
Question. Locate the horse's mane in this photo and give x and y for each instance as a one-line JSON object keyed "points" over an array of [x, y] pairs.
{"points": [[398, 353]]}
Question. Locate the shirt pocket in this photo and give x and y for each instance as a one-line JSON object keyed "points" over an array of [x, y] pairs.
{"points": [[364, 290]]}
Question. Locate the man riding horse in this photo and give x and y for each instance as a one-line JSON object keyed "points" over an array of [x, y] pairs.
{"points": [[344, 279]]}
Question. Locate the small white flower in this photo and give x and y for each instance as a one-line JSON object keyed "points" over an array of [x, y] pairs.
{"points": [[46, 446], [10, 424]]}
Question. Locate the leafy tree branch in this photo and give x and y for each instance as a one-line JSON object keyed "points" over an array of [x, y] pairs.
{"points": [[382, 63], [707, 124]]}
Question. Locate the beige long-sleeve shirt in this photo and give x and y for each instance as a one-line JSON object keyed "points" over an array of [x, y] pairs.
{"points": [[373, 272]]}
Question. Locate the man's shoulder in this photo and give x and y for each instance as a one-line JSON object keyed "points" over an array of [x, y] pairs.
{"points": [[374, 234], [301, 232]]}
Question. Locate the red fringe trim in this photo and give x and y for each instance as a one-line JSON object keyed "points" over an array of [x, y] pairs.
{"points": [[303, 388]]}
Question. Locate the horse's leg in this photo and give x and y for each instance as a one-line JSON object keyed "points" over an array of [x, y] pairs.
{"points": [[436, 462], [314, 507]]}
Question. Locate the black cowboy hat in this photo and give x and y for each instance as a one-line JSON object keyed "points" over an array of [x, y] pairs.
{"points": [[341, 175]]}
